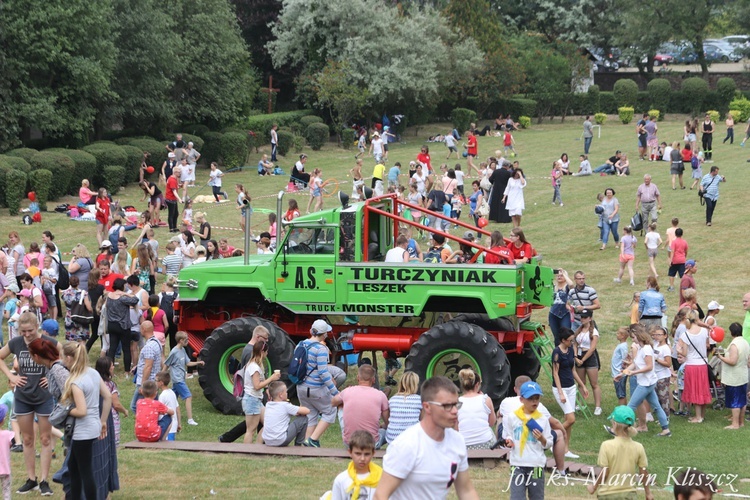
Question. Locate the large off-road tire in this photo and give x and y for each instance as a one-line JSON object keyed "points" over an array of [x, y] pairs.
{"points": [[525, 363], [222, 352], [484, 321], [448, 348]]}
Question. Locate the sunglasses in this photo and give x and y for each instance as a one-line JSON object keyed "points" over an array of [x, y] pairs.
{"points": [[454, 469]]}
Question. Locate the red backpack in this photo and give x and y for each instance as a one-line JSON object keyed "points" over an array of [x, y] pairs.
{"points": [[45, 304]]}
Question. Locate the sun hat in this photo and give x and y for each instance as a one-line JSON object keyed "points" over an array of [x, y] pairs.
{"points": [[529, 389], [319, 327], [13, 287], [172, 155], [713, 306], [623, 415]]}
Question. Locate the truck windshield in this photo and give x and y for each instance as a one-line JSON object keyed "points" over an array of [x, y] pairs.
{"points": [[311, 240]]}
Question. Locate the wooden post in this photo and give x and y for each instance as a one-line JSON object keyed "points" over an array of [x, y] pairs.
{"points": [[270, 91]]}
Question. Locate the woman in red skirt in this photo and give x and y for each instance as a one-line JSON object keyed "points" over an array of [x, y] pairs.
{"points": [[693, 345]]}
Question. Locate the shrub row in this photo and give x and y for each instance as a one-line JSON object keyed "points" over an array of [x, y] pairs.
{"points": [[261, 124]]}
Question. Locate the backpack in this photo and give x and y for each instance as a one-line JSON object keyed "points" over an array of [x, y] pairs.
{"points": [[78, 312], [166, 304], [695, 162], [45, 303], [636, 222], [239, 384], [63, 276], [298, 367], [433, 256]]}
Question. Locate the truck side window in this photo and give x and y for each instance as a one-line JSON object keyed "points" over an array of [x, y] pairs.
{"points": [[305, 240]]}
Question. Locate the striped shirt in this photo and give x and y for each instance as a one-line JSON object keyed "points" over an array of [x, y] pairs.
{"points": [[404, 413], [710, 185], [581, 297], [172, 264], [317, 367]]}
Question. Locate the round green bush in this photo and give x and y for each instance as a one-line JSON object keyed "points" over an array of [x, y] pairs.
{"points": [[128, 138], [17, 163], [626, 114], [714, 115], [308, 120], [195, 129], [25, 153], [736, 114], [15, 190], [524, 121], [286, 141], [85, 167], [659, 91], [695, 90], [4, 169], [61, 166], [462, 119], [600, 118], [156, 149], [106, 154], [233, 149], [132, 167], [594, 98], [113, 178], [196, 140], [725, 87], [626, 93], [41, 183], [299, 144], [317, 134], [211, 146]]}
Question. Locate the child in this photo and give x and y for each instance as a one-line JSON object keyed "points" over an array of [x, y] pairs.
{"points": [[214, 180], [599, 210], [556, 175], [316, 191], [11, 306], [456, 204], [148, 427], [178, 363], [172, 262], [278, 428], [450, 143], [168, 398], [652, 242], [662, 365], [272, 228], [158, 318], [447, 212], [102, 215], [361, 143], [362, 476], [106, 369], [622, 460], [459, 181], [634, 315], [627, 254], [508, 143], [49, 283], [670, 238], [696, 163], [187, 214], [618, 363], [255, 382], [5, 441], [225, 249], [243, 204], [585, 166], [357, 179], [527, 441], [34, 271]]}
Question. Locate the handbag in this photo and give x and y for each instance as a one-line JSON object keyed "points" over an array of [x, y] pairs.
{"points": [[60, 414], [485, 183], [702, 192], [483, 210], [711, 375], [79, 313]]}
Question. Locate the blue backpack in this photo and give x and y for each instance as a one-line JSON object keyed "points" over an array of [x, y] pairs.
{"points": [[298, 367]]}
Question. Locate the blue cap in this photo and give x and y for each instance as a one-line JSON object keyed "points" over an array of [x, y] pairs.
{"points": [[51, 327], [3, 412], [529, 389]]}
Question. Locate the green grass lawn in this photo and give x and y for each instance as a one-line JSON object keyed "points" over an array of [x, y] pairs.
{"points": [[565, 236]]}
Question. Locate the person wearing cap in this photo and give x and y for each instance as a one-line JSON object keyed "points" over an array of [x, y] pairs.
{"points": [[608, 167], [714, 308], [428, 458], [734, 375], [51, 327], [105, 252], [318, 388], [687, 280], [167, 168], [622, 460], [386, 134], [527, 433], [376, 149]]}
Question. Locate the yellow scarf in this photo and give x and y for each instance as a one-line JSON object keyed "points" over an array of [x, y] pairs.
{"points": [[372, 480], [521, 414], [153, 311]]}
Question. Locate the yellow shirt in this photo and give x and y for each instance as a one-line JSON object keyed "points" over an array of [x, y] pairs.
{"points": [[624, 458], [379, 171]]}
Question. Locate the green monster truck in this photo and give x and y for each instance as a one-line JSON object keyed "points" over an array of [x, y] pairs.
{"points": [[330, 264]]}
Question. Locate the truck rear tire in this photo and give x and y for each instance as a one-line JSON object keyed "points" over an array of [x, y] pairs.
{"points": [[484, 321], [448, 348], [222, 353], [525, 363]]}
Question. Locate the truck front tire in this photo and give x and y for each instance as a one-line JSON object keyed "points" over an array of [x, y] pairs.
{"points": [[448, 348], [222, 350]]}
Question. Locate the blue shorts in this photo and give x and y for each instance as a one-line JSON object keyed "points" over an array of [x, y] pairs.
{"points": [[251, 405], [44, 409], [164, 423], [620, 388], [171, 436], [181, 390], [735, 396]]}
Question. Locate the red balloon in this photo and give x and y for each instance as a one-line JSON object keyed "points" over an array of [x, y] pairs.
{"points": [[32, 196], [717, 334], [150, 169], [482, 222]]}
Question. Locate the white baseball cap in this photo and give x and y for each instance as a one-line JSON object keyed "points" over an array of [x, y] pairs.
{"points": [[320, 327], [171, 155], [713, 306]]}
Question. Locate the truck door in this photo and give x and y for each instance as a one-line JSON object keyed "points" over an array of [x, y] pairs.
{"points": [[305, 263]]}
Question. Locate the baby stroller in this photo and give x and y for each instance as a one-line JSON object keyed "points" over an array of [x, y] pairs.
{"points": [[714, 383]]}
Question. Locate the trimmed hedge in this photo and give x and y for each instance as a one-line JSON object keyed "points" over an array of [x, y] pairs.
{"points": [[15, 190], [150, 145], [85, 166], [113, 178], [726, 88], [462, 119], [308, 120], [25, 153], [41, 183], [133, 165], [211, 147], [659, 91], [695, 90], [600, 118], [261, 124], [17, 163], [317, 134], [106, 154], [61, 166], [742, 106], [4, 169], [196, 140], [286, 141], [233, 149], [524, 121], [195, 129], [626, 93], [594, 95]]}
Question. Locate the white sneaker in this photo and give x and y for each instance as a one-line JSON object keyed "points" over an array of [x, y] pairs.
{"points": [[649, 417], [597, 411], [570, 454], [192, 422], [617, 280]]}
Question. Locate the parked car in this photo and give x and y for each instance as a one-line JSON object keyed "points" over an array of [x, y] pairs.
{"points": [[663, 58], [741, 43], [605, 61], [680, 52], [721, 50]]}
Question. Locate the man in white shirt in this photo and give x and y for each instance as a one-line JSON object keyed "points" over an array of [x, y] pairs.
{"points": [[399, 254], [274, 142], [429, 457]]}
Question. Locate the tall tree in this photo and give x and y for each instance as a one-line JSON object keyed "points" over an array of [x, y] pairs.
{"points": [[60, 55], [335, 92]]}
